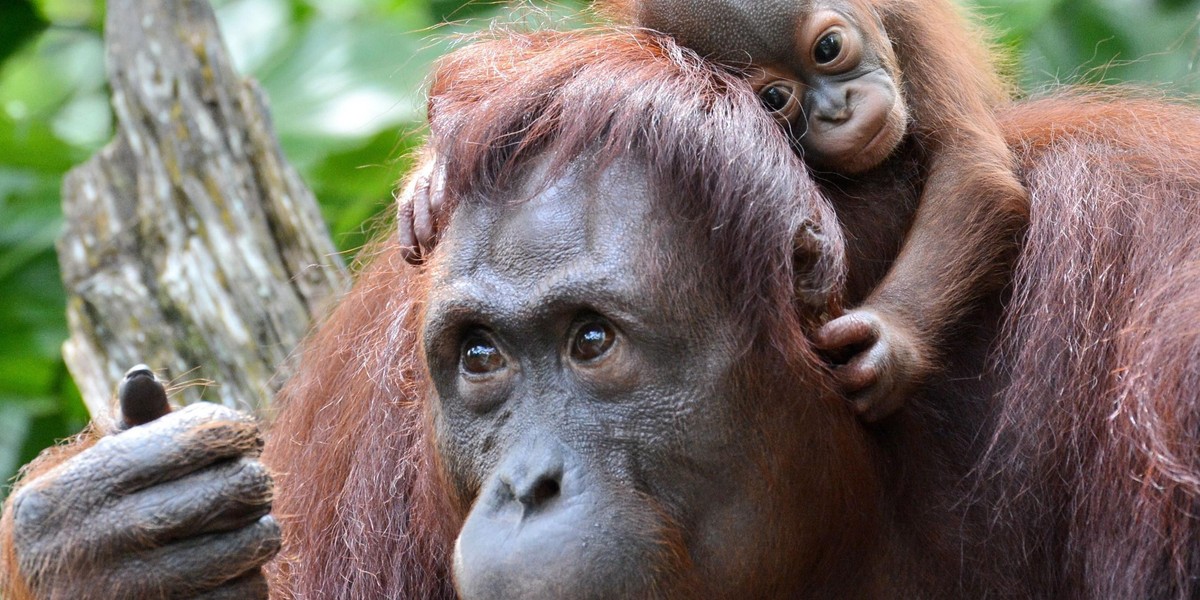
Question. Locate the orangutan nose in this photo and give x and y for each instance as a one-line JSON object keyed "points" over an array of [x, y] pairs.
{"points": [[831, 106], [546, 526], [535, 480]]}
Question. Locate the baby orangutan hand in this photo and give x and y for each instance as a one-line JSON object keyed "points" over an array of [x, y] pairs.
{"points": [[878, 362]]}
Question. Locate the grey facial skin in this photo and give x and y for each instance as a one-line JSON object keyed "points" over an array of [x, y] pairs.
{"points": [[586, 407]]}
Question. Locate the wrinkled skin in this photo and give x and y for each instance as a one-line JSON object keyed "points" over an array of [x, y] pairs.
{"points": [[594, 406], [847, 116], [143, 513], [586, 410]]}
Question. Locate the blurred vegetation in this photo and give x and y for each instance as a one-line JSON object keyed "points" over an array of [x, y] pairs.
{"points": [[344, 78]]}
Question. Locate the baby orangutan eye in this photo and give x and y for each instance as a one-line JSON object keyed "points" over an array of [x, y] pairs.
{"points": [[781, 98], [592, 340], [479, 355], [775, 97], [828, 48]]}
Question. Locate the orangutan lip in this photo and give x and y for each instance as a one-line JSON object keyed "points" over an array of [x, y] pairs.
{"points": [[871, 143]]}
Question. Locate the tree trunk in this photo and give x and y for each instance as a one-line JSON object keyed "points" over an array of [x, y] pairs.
{"points": [[191, 244]]}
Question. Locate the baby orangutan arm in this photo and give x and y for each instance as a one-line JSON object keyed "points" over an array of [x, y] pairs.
{"points": [[965, 231], [850, 80]]}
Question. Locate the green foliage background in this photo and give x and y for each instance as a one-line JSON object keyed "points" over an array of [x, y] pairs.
{"points": [[345, 78]]}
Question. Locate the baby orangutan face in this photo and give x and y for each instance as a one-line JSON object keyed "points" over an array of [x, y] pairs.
{"points": [[837, 91]]}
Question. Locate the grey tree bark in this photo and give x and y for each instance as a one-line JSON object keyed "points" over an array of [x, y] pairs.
{"points": [[191, 244]]}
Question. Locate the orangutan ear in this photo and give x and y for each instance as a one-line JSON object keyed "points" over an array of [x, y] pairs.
{"points": [[818, 264]]}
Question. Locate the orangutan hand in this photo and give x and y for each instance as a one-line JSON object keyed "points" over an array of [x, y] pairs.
{"points": [[173, 508], [880, 361], [419, 206]]}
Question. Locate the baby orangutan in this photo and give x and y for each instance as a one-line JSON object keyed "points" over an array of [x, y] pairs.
{"points": [[836, 93], [850, 79]]}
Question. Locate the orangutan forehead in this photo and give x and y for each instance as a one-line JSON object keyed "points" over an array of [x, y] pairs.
{"points": [[595, 241], [586, 218]]}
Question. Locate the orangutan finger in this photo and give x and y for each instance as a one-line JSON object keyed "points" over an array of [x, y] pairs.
{"points": [[405, 236], [201, 564], [142, 397], [247, 587], [224, 497], [437, 189], [847, 330], [167, 448], [872, 381], [861, 372], [422, 216]]}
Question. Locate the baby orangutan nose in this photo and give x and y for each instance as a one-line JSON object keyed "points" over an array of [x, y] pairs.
{"points": [[832, 108]]}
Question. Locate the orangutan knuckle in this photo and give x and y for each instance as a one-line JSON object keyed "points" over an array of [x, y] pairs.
{"points": [[261, 541], [32, 508], [250, 482], [236, 434]]}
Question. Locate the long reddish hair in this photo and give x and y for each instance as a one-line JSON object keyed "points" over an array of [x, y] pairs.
{"points": [[1096, 455]]}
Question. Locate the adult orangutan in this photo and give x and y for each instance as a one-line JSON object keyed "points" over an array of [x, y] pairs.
{"points": [[602, 386]]}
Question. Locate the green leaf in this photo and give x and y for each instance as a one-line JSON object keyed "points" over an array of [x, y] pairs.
{"points": [[355, 185], [86, 13], [19, 23], [32, 144]]}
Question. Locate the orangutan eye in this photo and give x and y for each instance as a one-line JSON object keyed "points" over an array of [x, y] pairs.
{"points": [[828, 48], [776, 97], [782, 99], [592, 340], [480, 356]]}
